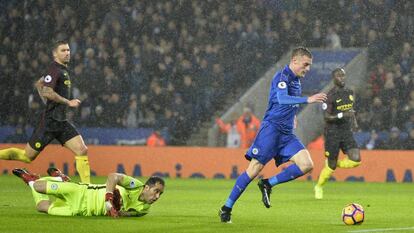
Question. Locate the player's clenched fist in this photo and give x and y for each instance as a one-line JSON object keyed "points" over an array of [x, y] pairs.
{"points": [[109, 205], [74, 103]]}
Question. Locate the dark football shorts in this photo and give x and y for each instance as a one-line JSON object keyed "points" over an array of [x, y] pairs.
{"points": [[336, 140], [50, 129]]}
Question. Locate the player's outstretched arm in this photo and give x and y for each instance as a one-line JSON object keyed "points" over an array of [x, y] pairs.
{"points": [[283, 97], [317, 98]]}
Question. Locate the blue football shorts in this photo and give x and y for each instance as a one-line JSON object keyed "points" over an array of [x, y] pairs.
{"points": [[272, 144]]}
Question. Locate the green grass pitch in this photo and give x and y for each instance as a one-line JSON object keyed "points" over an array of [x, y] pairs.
{"points": [[191, 205]]}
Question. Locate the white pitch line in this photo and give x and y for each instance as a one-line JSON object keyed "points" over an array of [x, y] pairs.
{"points": [[383, 229]]}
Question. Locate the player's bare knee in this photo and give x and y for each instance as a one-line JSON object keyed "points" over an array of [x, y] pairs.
{"points": [[43, 206], [254, 168], [306, 166], [30, 153], [84, 150], [40, 186], [253, 172], [81, 150]]}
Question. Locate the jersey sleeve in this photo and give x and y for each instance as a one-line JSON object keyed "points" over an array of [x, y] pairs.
{"points": [[129, 182], [328, 105], [352, 96], [51, 78], [282, 95]]}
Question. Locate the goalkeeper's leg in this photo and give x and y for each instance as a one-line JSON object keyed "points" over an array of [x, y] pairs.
{"points": [[68, 196], [56, 207]]}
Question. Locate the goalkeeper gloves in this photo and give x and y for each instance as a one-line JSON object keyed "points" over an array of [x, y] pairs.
{"points": [[109, 205]]}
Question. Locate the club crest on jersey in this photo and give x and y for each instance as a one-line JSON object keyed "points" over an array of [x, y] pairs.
{"points": [[351, 97], [281, 85], [324, 106], [54, 186], [132, 184], [67, 82], [48, 79], [255, 151]]}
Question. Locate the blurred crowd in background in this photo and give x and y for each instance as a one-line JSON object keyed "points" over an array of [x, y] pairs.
{"points": [[171, 65]]}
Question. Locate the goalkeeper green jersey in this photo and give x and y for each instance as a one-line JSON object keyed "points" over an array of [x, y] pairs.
{"points": [[89, 200]]}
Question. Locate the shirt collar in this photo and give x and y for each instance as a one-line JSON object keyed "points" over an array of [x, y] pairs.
{"points": [[289, 72], [60, 65]]}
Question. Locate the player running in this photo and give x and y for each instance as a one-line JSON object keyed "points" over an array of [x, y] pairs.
{"points": [[122, 196], [55, 91], [340, 119], [275, 138]]}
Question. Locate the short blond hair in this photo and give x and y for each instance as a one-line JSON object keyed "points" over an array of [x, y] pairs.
{"points": [[301, 51]]}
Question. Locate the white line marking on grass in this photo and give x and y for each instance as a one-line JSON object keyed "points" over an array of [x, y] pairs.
{"points": [[384, 229]]}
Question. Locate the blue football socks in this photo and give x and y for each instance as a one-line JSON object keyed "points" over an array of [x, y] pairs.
{"points": [[241, 183], [290, 173]]}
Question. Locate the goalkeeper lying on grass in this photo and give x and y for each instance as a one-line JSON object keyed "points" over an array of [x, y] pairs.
{"points": [[121, 196]]}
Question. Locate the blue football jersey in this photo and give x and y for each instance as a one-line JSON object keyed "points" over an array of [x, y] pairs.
{"points": [[284, 100]]}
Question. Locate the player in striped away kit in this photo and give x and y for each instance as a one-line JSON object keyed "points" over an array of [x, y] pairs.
{"points": [[275, 139], [121, 196], [55, 92]]}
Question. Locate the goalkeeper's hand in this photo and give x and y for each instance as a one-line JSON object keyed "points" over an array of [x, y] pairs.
{"points": [[109, 205]]}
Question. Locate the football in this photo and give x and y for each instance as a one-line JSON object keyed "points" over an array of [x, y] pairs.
{"points": [[353, 214]]}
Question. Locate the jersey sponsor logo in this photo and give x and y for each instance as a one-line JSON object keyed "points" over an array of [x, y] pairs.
{"points": [[281, 85], [48, 79], [324, 106], [255, 151], [351, 97], [132, 184], [338, 100], [54, 186], [344, 107]]}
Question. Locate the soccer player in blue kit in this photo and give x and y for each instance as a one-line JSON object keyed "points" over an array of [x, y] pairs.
{"points": [[275, 138]]}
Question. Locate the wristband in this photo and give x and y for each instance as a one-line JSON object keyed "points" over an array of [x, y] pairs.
{"points": [[108, 205]]}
